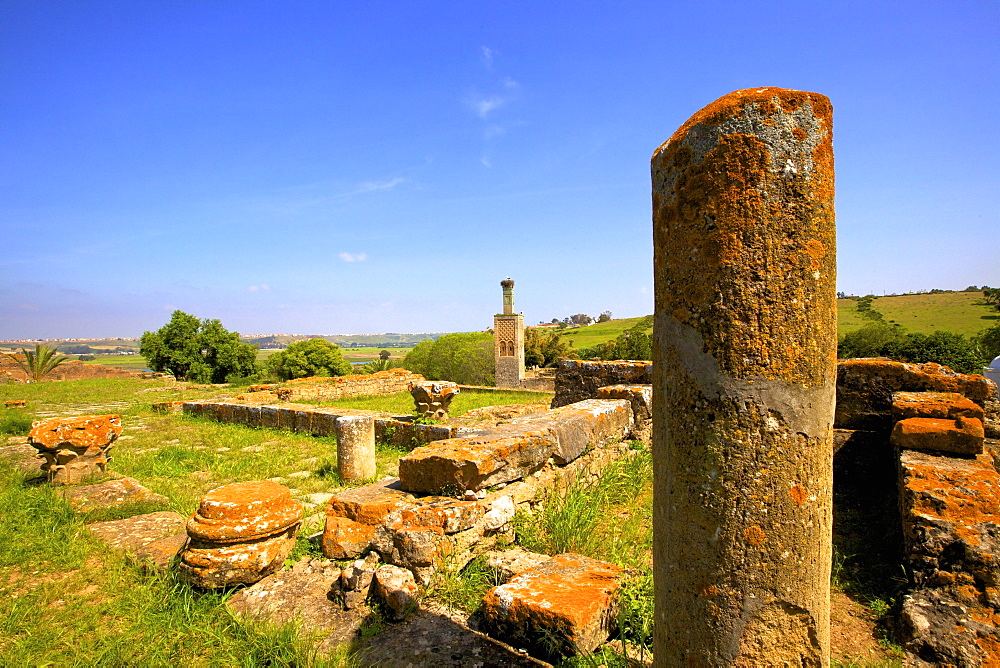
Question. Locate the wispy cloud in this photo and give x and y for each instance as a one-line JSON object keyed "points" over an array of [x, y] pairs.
{"points": [[486, 162], [353, 257], [486, 56], [483, 105], [263, 287], [371, 186]]}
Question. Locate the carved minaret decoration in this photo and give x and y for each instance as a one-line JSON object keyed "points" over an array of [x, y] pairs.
{"points": [[508, 329]]}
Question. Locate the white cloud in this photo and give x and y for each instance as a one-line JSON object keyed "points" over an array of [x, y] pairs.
{"points": [[486, 161], [353, 257], [263, 287], [510, 83], [486, 56], [484, 105], [371, 186]]}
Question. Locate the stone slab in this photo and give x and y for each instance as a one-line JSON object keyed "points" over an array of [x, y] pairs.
{"points": [[583, 425], [111, 494], [962, 436], [475, 462], [941, 405], [24, 458], [566, 605]]}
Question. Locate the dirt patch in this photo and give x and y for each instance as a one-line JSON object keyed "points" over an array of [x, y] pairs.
{"points": [[853, 635]]}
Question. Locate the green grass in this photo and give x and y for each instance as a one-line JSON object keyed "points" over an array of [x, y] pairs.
{"points": [[958, 312], [120, 361], [591, 335], [401, 403], [65, 599]]}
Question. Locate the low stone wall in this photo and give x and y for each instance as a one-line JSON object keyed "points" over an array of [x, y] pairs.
{"points": [[318, 388], [577, 380], [316, 421]]}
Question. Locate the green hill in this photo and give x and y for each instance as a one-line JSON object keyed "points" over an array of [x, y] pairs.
{"points": [[591, 335], [959, 312]]}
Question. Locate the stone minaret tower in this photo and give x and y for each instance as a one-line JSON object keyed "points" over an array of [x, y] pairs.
{"points": [[508, 329]]}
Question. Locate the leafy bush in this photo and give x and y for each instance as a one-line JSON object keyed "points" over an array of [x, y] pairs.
{"points": [[313, 357], [464, 358], [635, 343], [544, 347], [878, 339], [201, 351], [989, 343]]}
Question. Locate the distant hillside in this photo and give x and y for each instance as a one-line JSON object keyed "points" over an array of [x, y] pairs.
{"points": [[959, 312], [591, 335], [344, 340]]}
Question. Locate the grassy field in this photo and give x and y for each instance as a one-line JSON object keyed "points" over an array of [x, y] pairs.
{"points": [[959, 312], [121, 361], [66, 599], [591, 335], [402, 402]]}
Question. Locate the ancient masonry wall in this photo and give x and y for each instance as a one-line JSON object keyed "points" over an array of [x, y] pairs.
{"points": [[390, 381], [577, 380], [509, 349]]}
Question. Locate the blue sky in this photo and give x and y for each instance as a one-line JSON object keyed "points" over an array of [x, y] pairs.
{"points": [[350, 167]]}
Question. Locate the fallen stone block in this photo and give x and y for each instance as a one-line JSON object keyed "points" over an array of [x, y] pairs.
{"points": [[962, 436], [352, 516], [585, 424], [475, 462], [396, 589], [945, 628], [111, 494], [566, 605], [641, 399], [155, 538], [15, 403], [509, 563], [941, 405], [240, 534], [500, 514]]}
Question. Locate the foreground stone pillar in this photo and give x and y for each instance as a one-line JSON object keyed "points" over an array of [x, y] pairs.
{"points": [[744, 377], [75, 448], [355, 447]]}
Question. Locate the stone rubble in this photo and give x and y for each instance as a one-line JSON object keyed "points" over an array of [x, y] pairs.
{"points": [[75, 448]]}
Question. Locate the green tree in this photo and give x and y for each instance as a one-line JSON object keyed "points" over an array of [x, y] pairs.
{"points": [[202, 351], [312, 357], [384, 354], [992, 296], [465, 358], [635, 343], [604, 317], [544, 347], [952, 350], [871, 340], [988, 341], [36, 365]]}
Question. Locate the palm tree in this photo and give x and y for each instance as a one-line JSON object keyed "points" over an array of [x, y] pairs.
{"points": [[39, 363]]}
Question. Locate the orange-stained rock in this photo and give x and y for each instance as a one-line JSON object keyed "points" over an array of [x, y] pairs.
{"points": [[865, 388], [344, 538], [475, 462], [432, 398], [950, 509], [75, 448], [15, 403], [566, 605], [397, 590], [942, 405], [963, 436], [369, 504], [240, 534], [353, 515], [243, 511]]}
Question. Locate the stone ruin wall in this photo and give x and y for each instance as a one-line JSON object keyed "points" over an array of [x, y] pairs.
{"points": [[577, 380], [318, 388]]}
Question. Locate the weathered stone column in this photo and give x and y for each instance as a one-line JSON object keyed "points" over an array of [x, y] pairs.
{"points": [[743, 380], [355, 446]]}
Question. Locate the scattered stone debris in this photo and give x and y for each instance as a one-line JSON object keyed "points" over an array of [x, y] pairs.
{"points": [[396, 589], [433, 398]]}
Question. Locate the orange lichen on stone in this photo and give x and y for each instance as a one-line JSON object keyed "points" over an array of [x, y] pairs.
{"points": [[757, 214], [569, 599], [798, 494], [754, 535], [943, 405], [244, 511], [962, 435]]}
